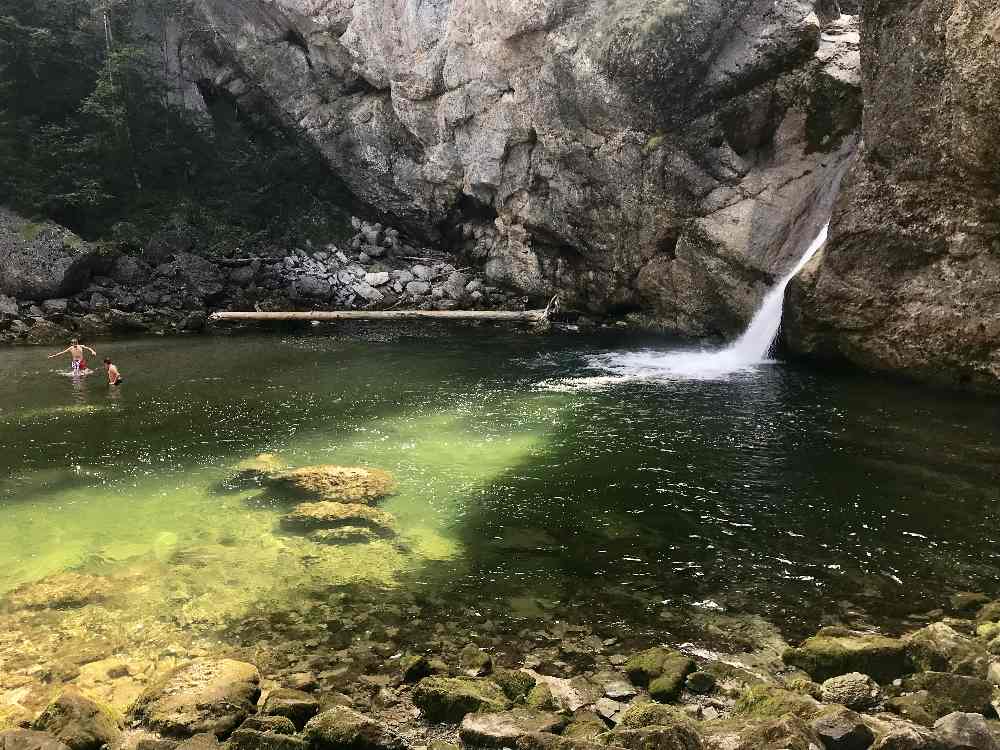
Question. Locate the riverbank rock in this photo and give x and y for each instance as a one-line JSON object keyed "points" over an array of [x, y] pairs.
{"points": [[294, 705], [662, 670], [349, 484], [42, 260], [309, 517], [451, 698], [941, 693], [505, 728], [342, 728], [515, 684], [205, 695], [940, 648], [652, 714], [856, 691], [965, 731], [842, 729], [771, 701], [27, 739], [78, 722], [475, 662], [837, 651], [785, 732]]}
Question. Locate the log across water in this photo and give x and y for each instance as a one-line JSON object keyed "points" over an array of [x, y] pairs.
{"points": [[525, 316]]}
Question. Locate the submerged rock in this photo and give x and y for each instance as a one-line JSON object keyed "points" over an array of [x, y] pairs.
{"points": [[345, 535], [27, 739], [205, 695], [310, 517], [342, 728], [505, 728], [295, 705], [451, 698], [836, 651], [61, 591], [79, 722], [351, 484]]}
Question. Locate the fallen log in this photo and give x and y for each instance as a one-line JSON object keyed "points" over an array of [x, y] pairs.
{"points": [[525, 316]]}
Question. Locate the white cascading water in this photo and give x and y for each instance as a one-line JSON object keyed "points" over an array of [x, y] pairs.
{"points": [[748, 351]]}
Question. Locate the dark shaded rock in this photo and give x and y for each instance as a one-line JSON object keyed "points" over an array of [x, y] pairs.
{"points": [[251, 739], [967, 602], [78, 722], [940, 693], [27, 739], [275, 724], [42, 260], [700, 682], [965, 731], [342, 728], [836, 651], [842, 729], [451, 698], [505, 728], [205, 695], [294, 705], [414, 667]]}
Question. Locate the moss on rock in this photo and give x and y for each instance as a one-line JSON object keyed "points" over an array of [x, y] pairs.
{"points": [[836, 651], [652, 714], [773, 702], [350, 484], [78, 722], [516, 685], [342, 728], [451, 698], [659, 663], [312, 517]]}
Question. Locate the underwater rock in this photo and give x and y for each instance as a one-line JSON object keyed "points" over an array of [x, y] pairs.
{"points": [[842, 729], [350, 484], [294, 705], [836, 651], [27, 739], [205, 695], [505, 728], [253, 472], [965, 731], [475, 662], [61, 591], [345, 535], [443, 699], [940, 693], [940, 648], [662, 670], [854, 690], [342, 728], [307, 517], [78, 722]]}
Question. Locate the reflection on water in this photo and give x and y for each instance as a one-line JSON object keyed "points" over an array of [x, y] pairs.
{"points": [[524, 493]]}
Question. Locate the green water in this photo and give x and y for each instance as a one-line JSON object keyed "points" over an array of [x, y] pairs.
{"points": [[639, 507]]}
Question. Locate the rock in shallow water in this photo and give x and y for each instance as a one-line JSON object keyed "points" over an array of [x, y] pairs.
{"points": [[79, 722], [836, 651], [342, 728], [451, 698], [505, 728], [311, 517], [205, 695], [662, 669], [352, 484]]}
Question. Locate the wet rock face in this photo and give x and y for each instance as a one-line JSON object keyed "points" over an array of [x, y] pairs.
{"points": [[907, 282], [205, 695], [641, 153]]}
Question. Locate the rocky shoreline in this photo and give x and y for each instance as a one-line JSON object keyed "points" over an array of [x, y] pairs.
{"points": [[56, 286]]}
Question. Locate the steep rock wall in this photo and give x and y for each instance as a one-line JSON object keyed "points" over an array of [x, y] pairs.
{"points": [[910, 279], [629, 154]]}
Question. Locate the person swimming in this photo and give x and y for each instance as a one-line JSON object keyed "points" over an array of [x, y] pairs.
{"points": [[75, 350], [114, 377]]}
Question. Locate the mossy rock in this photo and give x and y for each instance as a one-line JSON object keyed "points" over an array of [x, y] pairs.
{"points": [[475, 662], [655, 663], [540, 696], [786, 732], [295, 705], [312, 517], [940, 648], [346, 535], [342, 728], [836, 651], [516, 685], [448, 699], [989, 611], [652, 714], [773, 702], [942, 693], [413, 668], [659, 737], [586, 728], [78, 722], [346, 484]]}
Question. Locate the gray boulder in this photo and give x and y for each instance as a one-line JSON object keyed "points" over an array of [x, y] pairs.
{"points": [[842, 729], [506, 728], [854, 690], [965, 731], [41, 260]]}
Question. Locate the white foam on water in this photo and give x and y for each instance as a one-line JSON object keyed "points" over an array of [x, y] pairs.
{"points": [[751, 350]]}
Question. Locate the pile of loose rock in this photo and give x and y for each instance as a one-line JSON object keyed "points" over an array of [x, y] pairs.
{"points": [[171, 288]]}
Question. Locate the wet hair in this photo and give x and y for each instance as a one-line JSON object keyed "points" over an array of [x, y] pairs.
{"points": [[74, 341], [108, 362]]}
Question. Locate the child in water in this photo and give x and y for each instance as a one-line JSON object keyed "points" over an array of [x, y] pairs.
{"points": [[114, 377], [75, 350]]}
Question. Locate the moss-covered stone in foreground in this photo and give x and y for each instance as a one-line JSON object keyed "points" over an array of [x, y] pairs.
{"points": [[451, 698], [660, 664], [772, 702], [836, 651]]}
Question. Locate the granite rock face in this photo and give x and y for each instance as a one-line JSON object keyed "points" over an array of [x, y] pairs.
{"points": [[910, 279], [658, 155]]}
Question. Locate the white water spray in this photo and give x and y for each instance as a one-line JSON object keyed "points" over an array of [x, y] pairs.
{"points": [[751, 349]]}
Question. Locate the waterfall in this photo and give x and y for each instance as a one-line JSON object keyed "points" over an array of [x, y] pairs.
{"points": [[752, 348]]}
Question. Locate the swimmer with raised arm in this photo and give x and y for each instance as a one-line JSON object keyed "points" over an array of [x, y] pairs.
{"points": [[75, 350]]}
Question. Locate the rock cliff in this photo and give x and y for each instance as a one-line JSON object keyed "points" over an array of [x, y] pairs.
{"points": [[658, 155], [910, 279]]}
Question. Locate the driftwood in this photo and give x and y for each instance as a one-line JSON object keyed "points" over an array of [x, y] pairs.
{"points": [[526, 316]]}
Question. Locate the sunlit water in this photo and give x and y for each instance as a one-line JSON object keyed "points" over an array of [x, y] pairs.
{"points": [[789, 493]]}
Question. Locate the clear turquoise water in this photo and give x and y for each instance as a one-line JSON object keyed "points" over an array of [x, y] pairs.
{"points": [[798, 495]]}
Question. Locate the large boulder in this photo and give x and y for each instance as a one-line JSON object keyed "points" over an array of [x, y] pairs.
{"points": [[295, 705], [940, 693], [348, 484], [965, 731], [27, 739], [41, 260], [342, 728], [451, 698], [79, 722], [505, 728], [204, 695], [940, 648], [854, 690], [836, 651]]}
